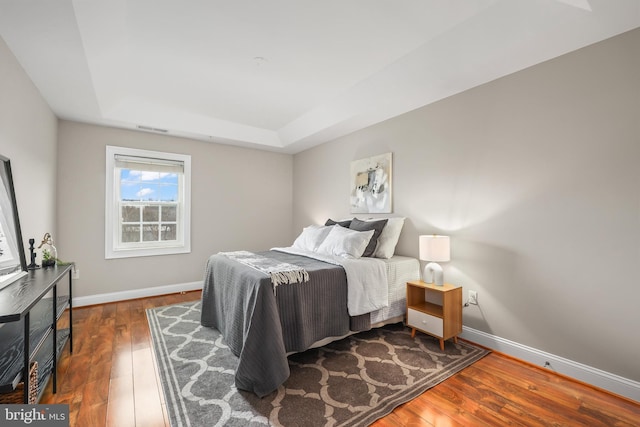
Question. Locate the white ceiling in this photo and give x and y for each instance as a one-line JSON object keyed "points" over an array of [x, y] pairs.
{"points": [[284, 75]]}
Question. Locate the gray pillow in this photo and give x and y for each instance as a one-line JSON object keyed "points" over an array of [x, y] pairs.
{"points": [[376, 226], [344, 223]]}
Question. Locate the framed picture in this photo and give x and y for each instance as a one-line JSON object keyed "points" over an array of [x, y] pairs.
{"points": [[13, 263], [371, 190]]}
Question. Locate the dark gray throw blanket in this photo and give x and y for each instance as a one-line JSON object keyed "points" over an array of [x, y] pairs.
{"points": [[261, 328]]}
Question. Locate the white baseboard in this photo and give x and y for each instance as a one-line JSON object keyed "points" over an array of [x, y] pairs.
{"points": [[135, 293], [587, 374]]}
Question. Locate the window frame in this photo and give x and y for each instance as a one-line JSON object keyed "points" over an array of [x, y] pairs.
{"points": [[112, 207]]}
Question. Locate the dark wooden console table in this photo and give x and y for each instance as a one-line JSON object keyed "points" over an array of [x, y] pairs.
{"points": [[28, 327]]}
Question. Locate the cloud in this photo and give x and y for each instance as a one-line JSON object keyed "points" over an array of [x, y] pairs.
{"points": [[144, 192]]}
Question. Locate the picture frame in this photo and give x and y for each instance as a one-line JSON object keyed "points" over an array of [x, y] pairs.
{"points": [[371, 184], [13, 263]]}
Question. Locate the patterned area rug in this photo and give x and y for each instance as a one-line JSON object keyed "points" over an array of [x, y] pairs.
{"points": [[351, 382]]}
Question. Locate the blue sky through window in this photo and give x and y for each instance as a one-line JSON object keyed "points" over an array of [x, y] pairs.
{"points": [[148, 186]]}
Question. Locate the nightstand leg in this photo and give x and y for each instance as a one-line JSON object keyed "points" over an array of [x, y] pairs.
{"points": [[413, 332], [455, 339], [441, 344]]}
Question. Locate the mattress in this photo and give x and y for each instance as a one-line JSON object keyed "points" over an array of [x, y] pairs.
{"points": [[400, 270]]}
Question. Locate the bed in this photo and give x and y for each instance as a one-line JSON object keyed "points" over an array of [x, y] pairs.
{"points": [[308, 296]]}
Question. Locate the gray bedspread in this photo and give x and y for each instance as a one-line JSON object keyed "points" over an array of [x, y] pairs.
{"points": [[261, 328]]}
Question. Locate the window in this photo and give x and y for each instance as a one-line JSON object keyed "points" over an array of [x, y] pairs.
{"points": [[147, 203]]}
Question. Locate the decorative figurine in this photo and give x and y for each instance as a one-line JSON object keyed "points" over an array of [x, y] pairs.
{"points": [[33, 265]]}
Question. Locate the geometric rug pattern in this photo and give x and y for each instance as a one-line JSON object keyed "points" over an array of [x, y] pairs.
{"points": [[350, 382]]}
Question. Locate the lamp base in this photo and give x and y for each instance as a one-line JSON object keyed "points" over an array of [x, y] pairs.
{"points": [[433, 274]]}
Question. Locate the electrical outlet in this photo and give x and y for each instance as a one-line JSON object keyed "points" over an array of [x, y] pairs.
{"points": [[75, 273], [473, 297]]}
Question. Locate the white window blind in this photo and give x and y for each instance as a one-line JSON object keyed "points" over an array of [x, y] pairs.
{"points": [[148, 164]]}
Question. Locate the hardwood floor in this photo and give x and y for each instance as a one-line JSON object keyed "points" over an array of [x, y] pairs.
{"points": [[111, 380]]}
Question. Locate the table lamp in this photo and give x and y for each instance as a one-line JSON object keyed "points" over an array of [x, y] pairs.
{"points": [[435, 249]]}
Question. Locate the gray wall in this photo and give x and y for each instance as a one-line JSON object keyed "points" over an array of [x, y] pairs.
{"points": [[28, 139], [241, 199], [536, 178]]}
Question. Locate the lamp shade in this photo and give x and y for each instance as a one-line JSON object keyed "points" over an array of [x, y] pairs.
{"points": [[434, 248]]}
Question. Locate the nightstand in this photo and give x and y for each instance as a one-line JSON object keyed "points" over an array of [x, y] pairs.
{"points": [[434, 310]]}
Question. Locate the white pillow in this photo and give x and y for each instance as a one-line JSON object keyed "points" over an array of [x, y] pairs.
{"points": [[311, 237], [389, 237], [345, 242]]}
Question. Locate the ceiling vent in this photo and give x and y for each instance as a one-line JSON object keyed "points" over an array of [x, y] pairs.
{"points": [[150, 129]]}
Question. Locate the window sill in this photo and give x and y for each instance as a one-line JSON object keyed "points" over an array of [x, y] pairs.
{"points": [[142, 252]]}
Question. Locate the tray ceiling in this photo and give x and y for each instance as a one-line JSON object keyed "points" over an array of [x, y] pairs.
{"points": [[284, 75]]}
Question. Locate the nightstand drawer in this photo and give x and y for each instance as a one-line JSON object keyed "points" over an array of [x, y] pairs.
{"points": [[425, 322]]}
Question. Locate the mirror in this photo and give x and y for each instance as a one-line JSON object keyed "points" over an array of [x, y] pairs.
{"points": [[13, 263]]}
